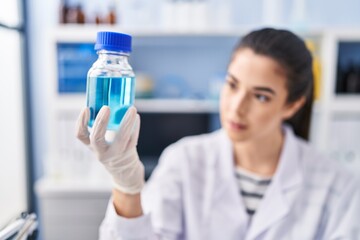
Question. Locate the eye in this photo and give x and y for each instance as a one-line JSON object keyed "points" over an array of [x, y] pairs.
{"points": [[262, 98], [232, 84]]}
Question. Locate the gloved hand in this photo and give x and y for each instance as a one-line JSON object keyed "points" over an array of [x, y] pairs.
{"points": [[120, 156]]}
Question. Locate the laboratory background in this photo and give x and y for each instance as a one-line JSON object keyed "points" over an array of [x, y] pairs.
{"points": [[181, 49]]}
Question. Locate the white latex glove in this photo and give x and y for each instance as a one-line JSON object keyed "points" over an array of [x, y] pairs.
{"points": [[120, 156]]}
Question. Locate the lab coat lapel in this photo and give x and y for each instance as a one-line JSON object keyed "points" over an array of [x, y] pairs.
{"points": [[229, 188], [273, 208], [221, 189], [215, 173], [209, 189], [274, 205]]}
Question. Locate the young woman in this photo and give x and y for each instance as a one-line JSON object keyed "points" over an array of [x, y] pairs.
{"points": [[256, 178]]}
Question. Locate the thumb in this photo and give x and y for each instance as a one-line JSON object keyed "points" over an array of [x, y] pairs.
{"points": [[125, 129]]}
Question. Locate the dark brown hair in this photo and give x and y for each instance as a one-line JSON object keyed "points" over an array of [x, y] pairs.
{"points": [[291, 53]]}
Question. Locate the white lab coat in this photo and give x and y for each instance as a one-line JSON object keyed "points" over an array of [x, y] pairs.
{"points": [[193, 194]]}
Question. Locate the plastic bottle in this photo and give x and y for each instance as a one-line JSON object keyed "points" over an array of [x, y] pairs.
{"points": [[111, 80], [111, 16], [63, 11], [80, 18]]}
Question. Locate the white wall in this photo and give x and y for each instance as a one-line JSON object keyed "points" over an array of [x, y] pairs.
{"points": [[43, 16], [13, 198]]}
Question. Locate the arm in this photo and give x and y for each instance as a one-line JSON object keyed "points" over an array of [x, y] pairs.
{"points": [[125, 218], [161, 201], [119, 157], [127, 205]]}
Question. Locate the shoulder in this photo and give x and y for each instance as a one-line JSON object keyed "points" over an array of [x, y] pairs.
{"points": [[314, 162], [321, 172], [330, 189]]}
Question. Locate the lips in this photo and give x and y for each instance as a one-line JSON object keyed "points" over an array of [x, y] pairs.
{"points": [[236, 125]]}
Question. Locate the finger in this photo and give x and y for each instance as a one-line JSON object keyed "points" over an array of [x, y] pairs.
{"points": [[135, 133], [124, 133], [97, 137], [82, 132]]}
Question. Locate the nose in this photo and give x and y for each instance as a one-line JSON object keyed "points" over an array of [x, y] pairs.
{"points": [[240, 103]]}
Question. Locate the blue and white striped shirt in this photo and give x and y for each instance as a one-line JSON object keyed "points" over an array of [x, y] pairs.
{"points": [[252, 188]]}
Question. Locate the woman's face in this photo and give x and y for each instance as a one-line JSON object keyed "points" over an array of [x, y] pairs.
{"points": [[253, 99]]}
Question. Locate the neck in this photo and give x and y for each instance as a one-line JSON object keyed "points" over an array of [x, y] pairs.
{"points": [[260, 156]]}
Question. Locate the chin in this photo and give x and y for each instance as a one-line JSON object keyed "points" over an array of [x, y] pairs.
{"points": [[237, 136]]}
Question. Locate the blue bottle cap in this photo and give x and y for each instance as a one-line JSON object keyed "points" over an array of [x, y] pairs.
{"points": [[113, 41]]}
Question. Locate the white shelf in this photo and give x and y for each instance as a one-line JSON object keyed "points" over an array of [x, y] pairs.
{"points": [[176, 106], [346, 104], [75, 102], [70, 102], [51, 187], [87, 33]]}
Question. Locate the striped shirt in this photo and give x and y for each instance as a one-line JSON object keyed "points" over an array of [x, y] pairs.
{"points": [[252, 188]]}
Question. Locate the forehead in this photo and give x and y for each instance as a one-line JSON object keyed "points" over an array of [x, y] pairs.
{"points": [[255, 69]]}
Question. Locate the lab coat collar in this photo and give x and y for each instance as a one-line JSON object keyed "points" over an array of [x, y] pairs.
{"points": [[288, 173], [288, 177], [274, 205], [221, 188]]}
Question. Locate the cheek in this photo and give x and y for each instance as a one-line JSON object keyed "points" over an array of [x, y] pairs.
{"points": [[266, 116]]}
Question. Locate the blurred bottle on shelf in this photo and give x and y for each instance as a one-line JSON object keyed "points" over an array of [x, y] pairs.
{"points": [[71, 16], [63, 11], [74, 14], [111, 17], [89, 12], [106, 16], [352, 78], [98, 19], [80, 17], [144, 86]]}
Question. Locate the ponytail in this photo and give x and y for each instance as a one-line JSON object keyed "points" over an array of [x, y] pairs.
{"points": [[301, 121]]}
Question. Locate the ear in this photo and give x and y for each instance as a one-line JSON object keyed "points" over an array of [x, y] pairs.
{"points": [[291, 109]]}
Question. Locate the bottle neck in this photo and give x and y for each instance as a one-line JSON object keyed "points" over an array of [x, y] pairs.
{"points": [[113, 56]]}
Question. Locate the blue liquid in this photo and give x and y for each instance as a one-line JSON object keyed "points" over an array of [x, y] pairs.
{"points": [[116, 92]]}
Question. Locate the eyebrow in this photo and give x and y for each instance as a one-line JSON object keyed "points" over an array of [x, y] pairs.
{"points": [[265, 89]]}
